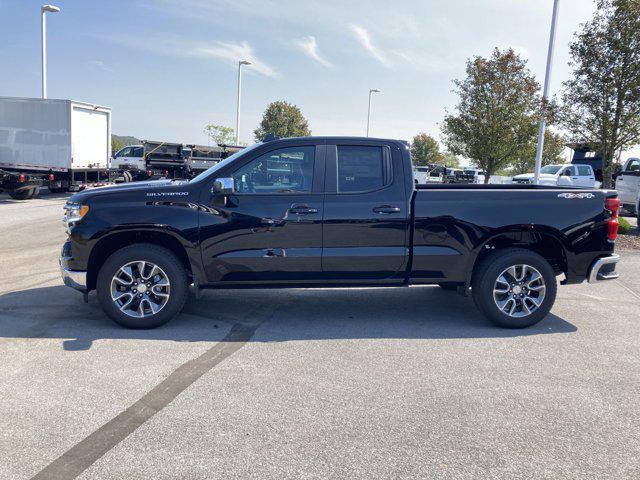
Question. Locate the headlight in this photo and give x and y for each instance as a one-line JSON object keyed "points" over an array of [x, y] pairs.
{"points": [[73, 212]]}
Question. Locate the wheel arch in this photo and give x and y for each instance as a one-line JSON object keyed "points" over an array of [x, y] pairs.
{"points": [[547, 243], [113, 242]]}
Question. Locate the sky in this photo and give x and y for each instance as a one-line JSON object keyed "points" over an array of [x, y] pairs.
{"points": [[169, 67]]}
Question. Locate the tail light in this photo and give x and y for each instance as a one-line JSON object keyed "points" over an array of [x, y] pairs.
{"points": [[51, 177], [613, 205], [21, 178]]}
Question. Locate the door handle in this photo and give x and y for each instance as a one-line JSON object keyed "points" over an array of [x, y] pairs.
{"points": [[302, 210], [574, 178], [386, 209]]}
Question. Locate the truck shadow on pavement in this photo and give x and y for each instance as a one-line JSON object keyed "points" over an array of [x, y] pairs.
{"points": [[282, 315]]}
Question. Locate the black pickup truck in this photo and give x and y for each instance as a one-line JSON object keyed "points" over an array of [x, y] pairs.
{"points": [[333, 212]]}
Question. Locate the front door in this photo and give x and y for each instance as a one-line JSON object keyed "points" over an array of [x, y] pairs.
{"points": [[628, 182], [366, 214], [270, 229]]}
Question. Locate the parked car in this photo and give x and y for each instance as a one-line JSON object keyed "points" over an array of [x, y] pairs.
{"points": [[628, 186], [333, 212], [580, 176], [456, 175], [478, 175], [427, 174], [59, 144]]}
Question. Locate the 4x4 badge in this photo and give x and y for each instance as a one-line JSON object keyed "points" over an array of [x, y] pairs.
{"points": [[576, 195]]}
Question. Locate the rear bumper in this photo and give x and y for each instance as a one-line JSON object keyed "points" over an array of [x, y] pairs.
{"points": [[604, 269]]}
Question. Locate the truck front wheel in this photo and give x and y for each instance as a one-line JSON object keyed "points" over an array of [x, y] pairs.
{"points": [[514, 288], [142, 286]]}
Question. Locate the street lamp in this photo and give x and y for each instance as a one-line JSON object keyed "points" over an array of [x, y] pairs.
{"points": [[240, 64], [371, 90], [43, 29], [545, 94]]}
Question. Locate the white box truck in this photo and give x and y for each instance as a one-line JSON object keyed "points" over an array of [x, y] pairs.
{"points": [[61, 144]]}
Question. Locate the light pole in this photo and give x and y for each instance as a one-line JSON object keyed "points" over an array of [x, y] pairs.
{"points": [[43, 31], [240, 64], [371, 90], [545, 94]]}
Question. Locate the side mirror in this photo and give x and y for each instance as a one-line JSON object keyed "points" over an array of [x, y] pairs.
{"points": [[223, 186]]}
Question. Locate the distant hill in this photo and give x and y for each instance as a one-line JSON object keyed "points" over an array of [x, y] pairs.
{"points": [[119, 141]]}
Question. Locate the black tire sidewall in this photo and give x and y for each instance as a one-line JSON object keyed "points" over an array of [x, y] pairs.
{"points": [[160, 256], [487, 274]]}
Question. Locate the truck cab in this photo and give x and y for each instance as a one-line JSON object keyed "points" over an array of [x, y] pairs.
{"points": [[130, 157]]}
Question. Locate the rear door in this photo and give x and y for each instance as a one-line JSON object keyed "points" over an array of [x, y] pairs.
{"points": [[586, 177], [366, 214], [628, 182], [89, 137]]}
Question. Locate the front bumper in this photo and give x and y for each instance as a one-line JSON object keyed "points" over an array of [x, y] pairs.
{"points": [[604, 269], [72, 278]]}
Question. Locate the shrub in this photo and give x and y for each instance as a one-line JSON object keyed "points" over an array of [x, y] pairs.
{"points": [[623, 225]]}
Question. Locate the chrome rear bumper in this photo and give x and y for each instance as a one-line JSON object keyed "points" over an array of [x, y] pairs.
{"points": [[604, 269]]}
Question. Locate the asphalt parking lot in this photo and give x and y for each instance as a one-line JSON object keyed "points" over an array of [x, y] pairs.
{"points": [[363, 383]]}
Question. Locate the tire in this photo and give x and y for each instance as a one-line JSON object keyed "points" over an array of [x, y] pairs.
{"points": [[542, 292], [449, 286], [127, 176], [21, 194], [169, 268]]}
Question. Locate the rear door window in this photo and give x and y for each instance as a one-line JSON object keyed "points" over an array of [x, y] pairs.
{"points": [[584, 171], [360, 168]]}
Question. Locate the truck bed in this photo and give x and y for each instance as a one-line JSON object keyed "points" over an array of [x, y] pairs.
{"points": [[571, 221]]}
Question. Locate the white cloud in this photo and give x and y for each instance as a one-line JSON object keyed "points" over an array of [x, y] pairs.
{"points": [[309, 46], [229, 52], [365, 40], [234, 52], [100, 65]]}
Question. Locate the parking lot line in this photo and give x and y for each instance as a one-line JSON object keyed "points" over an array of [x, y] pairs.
{"points": [[81, 456]]}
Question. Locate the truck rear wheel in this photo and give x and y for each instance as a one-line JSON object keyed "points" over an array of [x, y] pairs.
{"points": [[142, 286], [24, 194], [514, 288]]}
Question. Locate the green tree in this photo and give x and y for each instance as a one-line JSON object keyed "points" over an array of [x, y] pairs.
{"points": [[116, 144], [601, 103], [496, 114], [552, 153], [282, 119], [450, 160], [425, 150], [219, 134]]}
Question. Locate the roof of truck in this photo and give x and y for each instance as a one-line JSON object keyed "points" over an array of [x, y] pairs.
{"points": [[338, 139], [92, 105]]}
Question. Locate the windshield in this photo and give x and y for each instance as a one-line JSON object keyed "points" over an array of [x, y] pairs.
{"points": [[210, 172], [551, 169]]}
